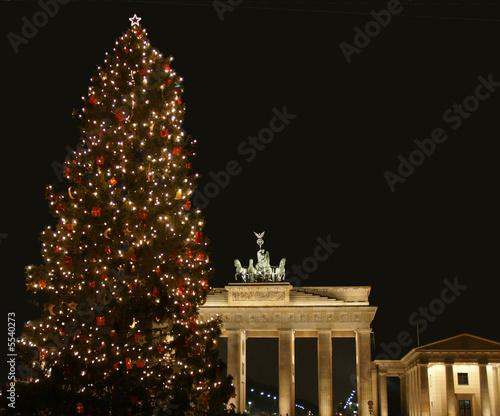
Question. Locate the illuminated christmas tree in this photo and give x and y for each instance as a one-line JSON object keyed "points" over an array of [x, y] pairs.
{"points": [[126, 267]]}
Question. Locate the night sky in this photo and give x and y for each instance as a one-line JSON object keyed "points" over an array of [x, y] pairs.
{"points": [[424, 237]]}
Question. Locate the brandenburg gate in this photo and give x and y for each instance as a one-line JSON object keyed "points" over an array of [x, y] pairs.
{"points": [[278, 310], [265, 306]]}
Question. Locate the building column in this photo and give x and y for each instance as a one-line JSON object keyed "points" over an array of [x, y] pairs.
{"points": [[363, 370], [485, 393], [375, 389], [382, 392], [236, 359], [325, 383], [425, 401], [496, 392], [286, 372], [402, 388], [414, 391], [450, 390]]}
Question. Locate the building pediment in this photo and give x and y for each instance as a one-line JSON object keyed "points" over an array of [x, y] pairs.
{"points": [[463, 342]]}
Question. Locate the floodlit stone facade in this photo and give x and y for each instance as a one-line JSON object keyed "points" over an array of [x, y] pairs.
{"points": [[281, 311], [458, 376]]}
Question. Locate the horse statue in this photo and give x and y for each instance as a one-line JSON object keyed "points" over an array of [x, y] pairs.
{"points": [[240, 271], [252, 272], [280, 270]]}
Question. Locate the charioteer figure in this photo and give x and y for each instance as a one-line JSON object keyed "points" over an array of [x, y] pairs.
{"points": [[262, 271]]}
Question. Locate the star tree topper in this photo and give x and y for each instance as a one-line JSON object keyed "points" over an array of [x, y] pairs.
{"points": [[134, 20]]}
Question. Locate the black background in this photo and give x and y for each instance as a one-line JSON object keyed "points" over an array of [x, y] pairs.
{"points": [[323, 175]]}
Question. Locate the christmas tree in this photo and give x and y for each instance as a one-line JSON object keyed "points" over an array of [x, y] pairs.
{"points": [[126, 267]]}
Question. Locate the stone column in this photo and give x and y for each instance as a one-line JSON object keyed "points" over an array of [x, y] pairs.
{"points": [[382, 392], [402, 388], [325, 384], [416, 390], [236, 360], [375, 389], [496, 392], [450, 390], [363, 370], [286, 372], [485, 393], [425, 401]]}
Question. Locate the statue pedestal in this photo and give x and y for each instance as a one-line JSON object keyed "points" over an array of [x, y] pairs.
{"points": [[264, 294]]}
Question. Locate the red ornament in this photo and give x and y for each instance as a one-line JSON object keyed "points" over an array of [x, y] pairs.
{"points": [[104, 276], [169, 82], [121, 115], [143, 214], [92, 284], [41, 284], [160, 349], [200, 257], [204, 284], [113, 181], [101, 321], [70, 226], [57, 249], [68, 261], [142, 71], [108, 249], [188, 165], [179, 101], [43, 355], [187, 207], [177, 150], [80, 408], [167, 67], [181, 289], [164, 132], [96, 211], [100, 160], [140, 364], [62, 332], [61, 205], [128, 362], [116, 366], [132, 285], [190, 253], [198, 237], [156, 292], [172, 256], [112, 333], [93, 100]]}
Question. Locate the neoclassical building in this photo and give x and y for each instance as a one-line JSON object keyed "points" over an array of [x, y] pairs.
{"points": [[458, 376], [278, 310]]}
